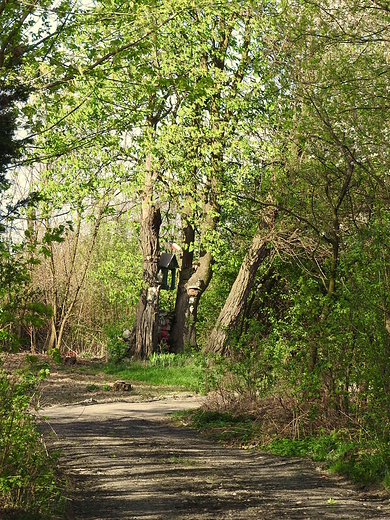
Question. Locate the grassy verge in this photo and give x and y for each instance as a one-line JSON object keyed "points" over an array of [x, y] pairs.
{"points": [[179, 371], [352, 454], [362, 460]]}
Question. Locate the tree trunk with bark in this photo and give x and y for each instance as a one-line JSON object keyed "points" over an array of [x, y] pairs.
{"points": [[191, 287], [146, 320], [179, 333], [193, 281], [259, 250], [144, 338]]}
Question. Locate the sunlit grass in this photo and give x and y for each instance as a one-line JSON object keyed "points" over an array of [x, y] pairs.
{"points": [[184, 372]]}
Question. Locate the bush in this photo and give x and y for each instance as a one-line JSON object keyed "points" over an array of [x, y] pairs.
{"points": [[28, 481], [116, 346]]}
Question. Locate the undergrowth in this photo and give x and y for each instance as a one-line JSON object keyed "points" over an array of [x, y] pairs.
{"points": [[361, 459], [29, 484]]}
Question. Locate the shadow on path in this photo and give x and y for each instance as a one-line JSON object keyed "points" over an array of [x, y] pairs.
{"points": [[128, 464]]}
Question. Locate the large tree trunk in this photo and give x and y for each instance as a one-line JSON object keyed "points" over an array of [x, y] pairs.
{"points": [[180, 328], [192, 285], [193, 280], [227, 319], [145, 328], [144, 338]]}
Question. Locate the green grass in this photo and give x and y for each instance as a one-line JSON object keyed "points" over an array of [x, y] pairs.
{"points": [[363, 460], [222, 427], [179, 371], [92, 388]]}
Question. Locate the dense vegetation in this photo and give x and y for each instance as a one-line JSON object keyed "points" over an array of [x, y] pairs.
{"points": [[254, 135], [30, 486]]}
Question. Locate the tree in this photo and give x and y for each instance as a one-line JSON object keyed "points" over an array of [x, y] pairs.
{"points": [[333, 127], [337, 134], [329, 337], [174, 103], [177, 98], [259, 250], [21, 42], [210, 145]]}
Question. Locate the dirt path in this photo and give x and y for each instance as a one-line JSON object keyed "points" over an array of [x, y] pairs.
{"points": [[125, 462]]}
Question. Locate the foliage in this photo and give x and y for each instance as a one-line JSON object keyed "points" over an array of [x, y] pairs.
{"points": [[325, 349], [346, 333], [55, 354], [21, 308], [28, 480], [116, 346], [114, 280], [322, 331], [358, 457], [10, 147]]}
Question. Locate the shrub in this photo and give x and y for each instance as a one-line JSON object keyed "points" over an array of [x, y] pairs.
{"points": [[28, 481], [116, 346]]}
